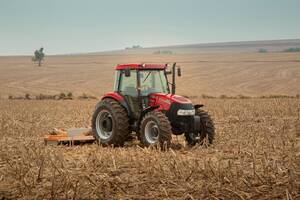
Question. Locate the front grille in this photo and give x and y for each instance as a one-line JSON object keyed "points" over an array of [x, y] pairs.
{"points": [[172, 113], [180, 123]]}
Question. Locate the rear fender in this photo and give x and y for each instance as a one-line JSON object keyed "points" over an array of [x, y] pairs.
{"points": [[119, 98], [114, 95]]}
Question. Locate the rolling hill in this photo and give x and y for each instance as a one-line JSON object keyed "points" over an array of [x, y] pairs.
{"points": [[245, 46], [252, 74]]}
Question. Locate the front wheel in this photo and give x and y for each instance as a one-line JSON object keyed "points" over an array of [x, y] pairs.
{"points": [[155, 130], [207, 132]]}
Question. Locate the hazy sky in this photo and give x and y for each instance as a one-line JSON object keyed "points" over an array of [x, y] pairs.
{"points": [[71, 26]]}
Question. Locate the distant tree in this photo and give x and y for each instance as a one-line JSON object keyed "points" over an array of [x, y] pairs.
{"points": [[262, 50], [38, 56]]}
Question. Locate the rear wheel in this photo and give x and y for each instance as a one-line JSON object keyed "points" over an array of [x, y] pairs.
{"points": [[207, 133], [110, 124], [155, 130]]}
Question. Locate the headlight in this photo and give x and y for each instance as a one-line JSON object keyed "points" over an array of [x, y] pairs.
{"points": [[185, 112]]}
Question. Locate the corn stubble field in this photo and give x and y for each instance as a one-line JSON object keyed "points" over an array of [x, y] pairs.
{"points": [[255, 155]]}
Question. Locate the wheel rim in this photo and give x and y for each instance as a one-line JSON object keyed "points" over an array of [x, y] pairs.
{"points": [[104, 125], [151, 132]]}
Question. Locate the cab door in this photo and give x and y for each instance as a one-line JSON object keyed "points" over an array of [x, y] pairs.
{"points": [[128, 89]]}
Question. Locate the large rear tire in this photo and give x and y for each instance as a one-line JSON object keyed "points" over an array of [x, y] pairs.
{"points": [[207, 133], [110, 123], [156, 130]]}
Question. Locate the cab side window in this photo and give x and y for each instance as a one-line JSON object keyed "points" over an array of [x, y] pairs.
{"points": [[128, 84]]}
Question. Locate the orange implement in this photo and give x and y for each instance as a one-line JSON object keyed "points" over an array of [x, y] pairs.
{"points": [[70, 136]]}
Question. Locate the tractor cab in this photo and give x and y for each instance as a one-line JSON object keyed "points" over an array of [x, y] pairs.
{"points": [[136, 82]]}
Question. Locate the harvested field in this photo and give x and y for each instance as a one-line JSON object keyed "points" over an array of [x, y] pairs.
{"points": [[251, 74], [255, 156]]}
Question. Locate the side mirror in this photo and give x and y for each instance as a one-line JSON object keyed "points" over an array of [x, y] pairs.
{"points": [[179, 71], [127, 72]]}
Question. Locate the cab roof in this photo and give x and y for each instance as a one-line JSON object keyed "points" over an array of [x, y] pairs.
{"points": [[141, 66]]}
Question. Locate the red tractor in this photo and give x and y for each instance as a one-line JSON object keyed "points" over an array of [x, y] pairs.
{"points": [[143, 102]]}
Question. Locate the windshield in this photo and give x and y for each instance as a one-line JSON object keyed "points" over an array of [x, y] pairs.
{"points": [[153, 81]]}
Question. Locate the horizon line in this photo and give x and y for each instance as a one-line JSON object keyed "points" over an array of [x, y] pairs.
{"points": [[149, 47]]}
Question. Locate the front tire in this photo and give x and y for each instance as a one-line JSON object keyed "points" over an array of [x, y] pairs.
{"points": [[207, 132], [110, 123], [155, 130]]}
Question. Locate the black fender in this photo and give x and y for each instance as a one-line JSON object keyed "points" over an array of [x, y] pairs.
{"points": [[148, 109], [144, 112]]}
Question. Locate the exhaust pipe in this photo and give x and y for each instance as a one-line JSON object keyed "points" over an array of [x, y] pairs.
{"points": [[173, 78]]}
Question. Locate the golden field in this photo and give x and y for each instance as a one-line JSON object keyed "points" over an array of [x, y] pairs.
{"points": [[256, 153]]}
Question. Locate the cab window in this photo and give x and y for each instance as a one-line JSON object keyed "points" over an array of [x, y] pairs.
{"points": [[153, 81], [128, 84]]}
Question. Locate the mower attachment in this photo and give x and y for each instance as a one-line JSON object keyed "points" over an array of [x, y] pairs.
{"points": [[70, 136]]}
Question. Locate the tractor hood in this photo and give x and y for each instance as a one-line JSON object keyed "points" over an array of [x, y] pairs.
{"points": [[171, 97], [164, 101]]}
